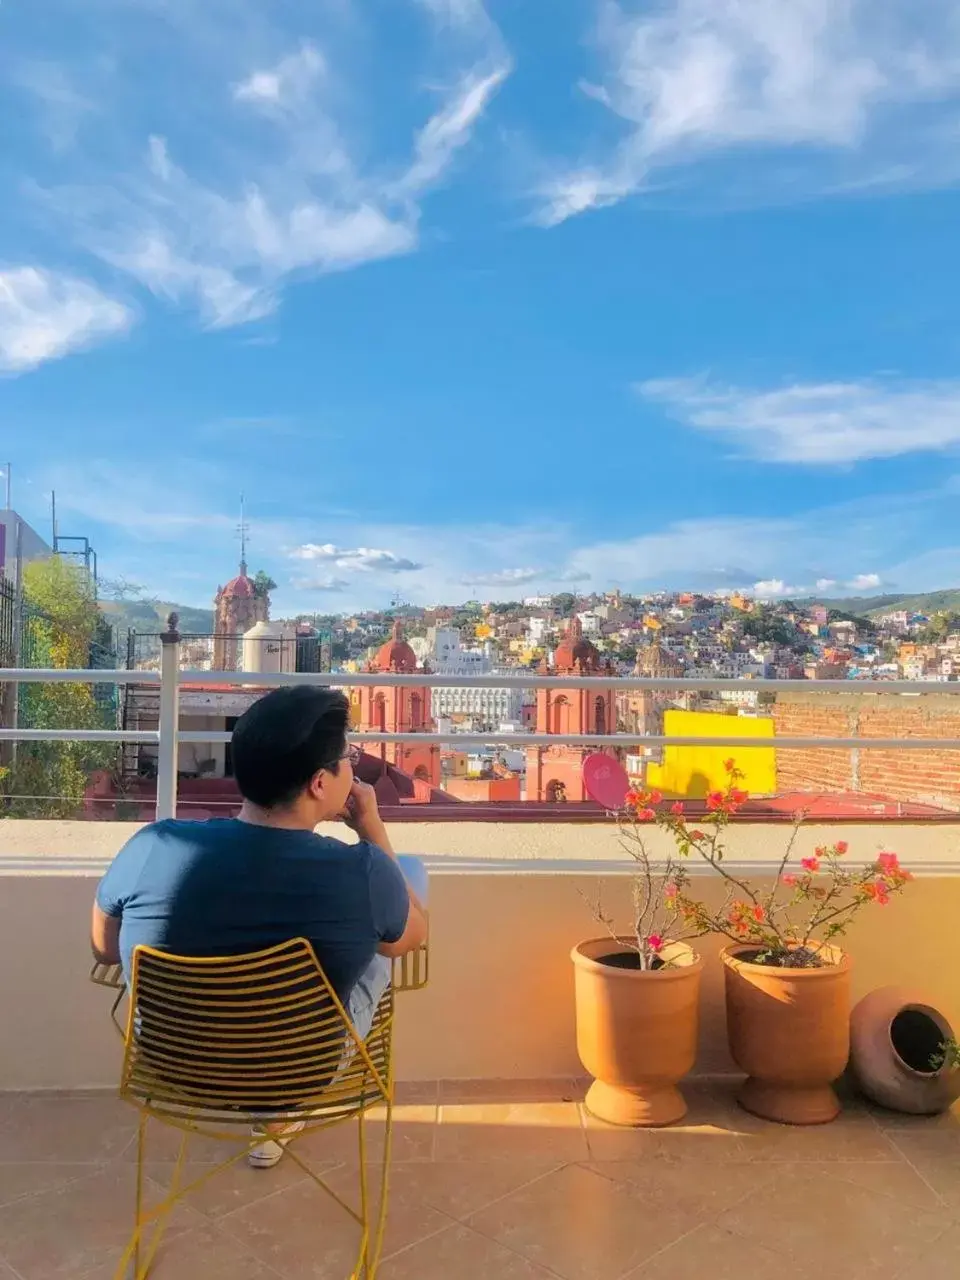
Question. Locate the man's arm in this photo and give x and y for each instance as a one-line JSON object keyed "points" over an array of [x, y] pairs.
{"points": [[364, 818], [105, 936]]}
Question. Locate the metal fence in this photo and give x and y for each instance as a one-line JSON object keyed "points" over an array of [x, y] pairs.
{"points": [[169, 679]]}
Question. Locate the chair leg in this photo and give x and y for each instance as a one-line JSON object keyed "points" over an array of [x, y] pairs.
{"points": [[363, 1271], [143, 1261], [384, 1181]]}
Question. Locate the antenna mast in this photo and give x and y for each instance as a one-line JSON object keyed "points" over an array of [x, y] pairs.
{"points": [[243, 529]]}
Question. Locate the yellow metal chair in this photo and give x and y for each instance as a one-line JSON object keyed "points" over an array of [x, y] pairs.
{"points": [[215, 1045]]}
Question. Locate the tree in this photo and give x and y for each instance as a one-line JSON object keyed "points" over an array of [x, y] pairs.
{"points": [[63, 620], [263, 584]]}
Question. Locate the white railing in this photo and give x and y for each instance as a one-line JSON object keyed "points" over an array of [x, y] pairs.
{"points": [[171, 681]]}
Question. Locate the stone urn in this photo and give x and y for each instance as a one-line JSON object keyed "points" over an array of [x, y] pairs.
{"points": [[789, 1030], [895, 1036], [636, 1029]]}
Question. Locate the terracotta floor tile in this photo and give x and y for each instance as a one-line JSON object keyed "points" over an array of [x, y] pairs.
{"points": [[935, 1155], [702, 1190], [304, 1235], [460, 1254], [19, 1180], [234, 1187], [509, 1131], [938, 1261], [696, 1137], [509, 1091], [897, 1179], [67, 1130], [413, 1136], [463, 1187], [710, 1253], [853, 1136], [826, 1222], [78, 1230], [163, 1144], [207, 1254], [949, 1120], [583, 1226]]}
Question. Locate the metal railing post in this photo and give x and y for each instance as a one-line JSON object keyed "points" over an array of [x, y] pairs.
{"points": [[169, 720]]}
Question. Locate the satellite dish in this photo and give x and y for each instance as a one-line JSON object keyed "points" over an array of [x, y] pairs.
{"points": [[605, 780]]}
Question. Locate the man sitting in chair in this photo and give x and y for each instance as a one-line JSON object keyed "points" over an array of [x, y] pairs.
{"points": [[232, 885]]}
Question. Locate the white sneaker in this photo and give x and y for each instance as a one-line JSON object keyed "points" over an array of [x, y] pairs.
{"points": [[268, 1152]]}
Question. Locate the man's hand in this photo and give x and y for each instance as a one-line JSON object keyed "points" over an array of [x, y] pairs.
{"points": [[361, 810]]}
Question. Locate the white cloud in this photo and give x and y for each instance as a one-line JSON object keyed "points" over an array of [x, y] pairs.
{"points": [[326, 582], [288, 83], [865, 582], [854, 81], [775, 589], [819, 423], [277, 176], [447, 131], [502, 577], [366, 559], [44, 315]]}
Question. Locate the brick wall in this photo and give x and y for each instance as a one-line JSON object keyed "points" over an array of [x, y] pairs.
{"points": [[926, 777]]}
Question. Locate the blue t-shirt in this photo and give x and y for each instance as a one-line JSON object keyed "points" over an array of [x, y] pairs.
{"points": [[223, 887]]}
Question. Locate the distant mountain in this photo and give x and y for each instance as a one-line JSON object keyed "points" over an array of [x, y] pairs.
{"points": [[924, 602], [148, 617]]}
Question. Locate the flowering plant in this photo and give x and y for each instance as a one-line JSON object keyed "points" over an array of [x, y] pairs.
{"points": [[809, 905], [657, 920]]}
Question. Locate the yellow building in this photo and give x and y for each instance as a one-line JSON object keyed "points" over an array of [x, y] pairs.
{"points": [[694, 771]]}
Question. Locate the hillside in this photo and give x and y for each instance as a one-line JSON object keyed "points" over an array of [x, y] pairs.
{"points": [[923, 602], [147, 617]]}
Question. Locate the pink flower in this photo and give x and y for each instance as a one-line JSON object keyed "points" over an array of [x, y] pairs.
{"points": [[670, 892], [878, 891], [654, 797], [790, 881], [730, 765], [810, 864], [715, 801], [646, 815], [889, 864], [738, 797], [759, 914], [841, 847], [697, 835], [677, 809], [655, 942]]}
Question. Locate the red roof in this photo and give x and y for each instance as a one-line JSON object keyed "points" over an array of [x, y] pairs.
{"points": [[240, 586], [396, 654]]}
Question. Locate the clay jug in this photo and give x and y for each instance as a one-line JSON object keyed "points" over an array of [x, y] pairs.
{"points": [[894, 1035]]}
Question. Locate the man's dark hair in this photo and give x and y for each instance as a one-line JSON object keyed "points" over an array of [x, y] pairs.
{"points": [[284, 739]]}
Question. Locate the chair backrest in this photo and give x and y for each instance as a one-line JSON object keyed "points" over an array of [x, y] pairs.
{"points": [[263, 1032]]}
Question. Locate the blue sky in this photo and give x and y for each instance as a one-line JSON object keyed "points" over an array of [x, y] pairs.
{"points": [[485, 300]]}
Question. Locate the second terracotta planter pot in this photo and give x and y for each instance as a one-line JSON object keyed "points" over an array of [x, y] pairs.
{"points": [[636, 1031], [789, 1030]]}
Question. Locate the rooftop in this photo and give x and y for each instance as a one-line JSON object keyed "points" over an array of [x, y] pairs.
{"points": [[503, 1181]]}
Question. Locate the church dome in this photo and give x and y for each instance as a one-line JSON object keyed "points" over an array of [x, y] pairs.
{"points": [[396, 655], [239, 588], [574, 653], [655, 661]]}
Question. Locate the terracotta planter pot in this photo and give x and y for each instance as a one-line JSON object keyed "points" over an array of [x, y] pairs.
{"points": [[893, 1035], [789, 1030], [636, 1031]]}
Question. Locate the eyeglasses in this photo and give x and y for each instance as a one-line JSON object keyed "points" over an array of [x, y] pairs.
{"points": [[352, 754]]}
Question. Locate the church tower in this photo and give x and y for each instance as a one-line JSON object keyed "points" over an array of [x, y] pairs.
{"points": [[399, 709], [553, 773]]}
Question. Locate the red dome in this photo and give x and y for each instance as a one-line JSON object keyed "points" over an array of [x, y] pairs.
{"points": [[239, 587], [573, 653], [396, 654]]}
